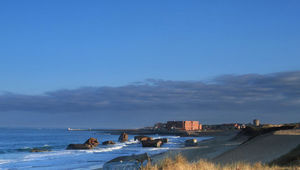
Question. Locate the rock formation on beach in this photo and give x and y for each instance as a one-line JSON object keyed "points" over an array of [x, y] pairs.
{"points": [[191, 142], [133, 162]]}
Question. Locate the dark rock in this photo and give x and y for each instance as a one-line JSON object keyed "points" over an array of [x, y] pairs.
{"points": [[163, 140], [191, 142], [133, 162], [140, 158], [142, 138], [92, 141], [39, 150], [79, 146], [152, 143], [108, 143], [138, 137], [89, 144], [123, 137]]}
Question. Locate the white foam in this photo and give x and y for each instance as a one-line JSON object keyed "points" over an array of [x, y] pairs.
{"points": [[26, 147], [131, 141], [39, 156], [104, 149], [4, 161], [59, 158]]}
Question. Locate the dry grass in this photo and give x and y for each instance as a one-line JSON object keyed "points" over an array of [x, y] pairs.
{"points": [[180, 163]]}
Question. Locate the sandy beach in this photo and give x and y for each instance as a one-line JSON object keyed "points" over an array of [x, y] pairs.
{"points": [[207, 149], [263, 148], [227, 149]]}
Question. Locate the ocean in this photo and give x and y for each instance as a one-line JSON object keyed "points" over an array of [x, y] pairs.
{"points": [[16, 145]]}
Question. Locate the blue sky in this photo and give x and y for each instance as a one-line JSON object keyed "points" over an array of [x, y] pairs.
{"points": [[63, 62], [49, 45]]}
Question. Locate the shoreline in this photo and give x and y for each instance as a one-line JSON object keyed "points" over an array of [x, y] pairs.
{"points": [[157, 155], [216, 137], [228, 147], [231, 149], [206, 149]]}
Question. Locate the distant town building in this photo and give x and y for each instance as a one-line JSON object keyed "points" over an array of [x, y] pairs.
{"points": [[256, 122], [183, 125], [159, 125], [200, 126], [237, 126], [243, 126], [228, 126]]}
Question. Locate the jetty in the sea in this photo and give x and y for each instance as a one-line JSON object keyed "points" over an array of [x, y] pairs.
{"points": [[70, 129]]}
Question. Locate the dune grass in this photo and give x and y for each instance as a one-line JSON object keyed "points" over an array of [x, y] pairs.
{"points": [[180, 163]]}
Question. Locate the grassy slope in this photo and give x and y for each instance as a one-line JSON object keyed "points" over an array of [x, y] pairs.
{"points": [[289, 161], [181, 163]]}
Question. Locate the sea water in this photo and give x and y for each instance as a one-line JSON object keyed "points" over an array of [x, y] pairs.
{"points": [[16, 145]]}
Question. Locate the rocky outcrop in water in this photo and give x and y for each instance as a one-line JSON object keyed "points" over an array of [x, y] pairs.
{"points": [[92, 141], [163, 140], [123, 137], [152, 143], [191, 142], [108, 143], [142, 138], [39, 150], [89, 144]]}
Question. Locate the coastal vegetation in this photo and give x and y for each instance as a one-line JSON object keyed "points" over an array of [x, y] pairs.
{"points": [[180, 163]]}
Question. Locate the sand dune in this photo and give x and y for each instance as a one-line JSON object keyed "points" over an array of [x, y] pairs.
{"points": [[221, 149], [263, 148], [207, 149]]}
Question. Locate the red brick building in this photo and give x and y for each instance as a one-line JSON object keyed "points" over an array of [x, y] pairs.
{"points": [[184, 125]]}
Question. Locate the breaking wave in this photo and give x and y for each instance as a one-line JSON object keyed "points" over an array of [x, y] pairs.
{"points": [[19, 153]]}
